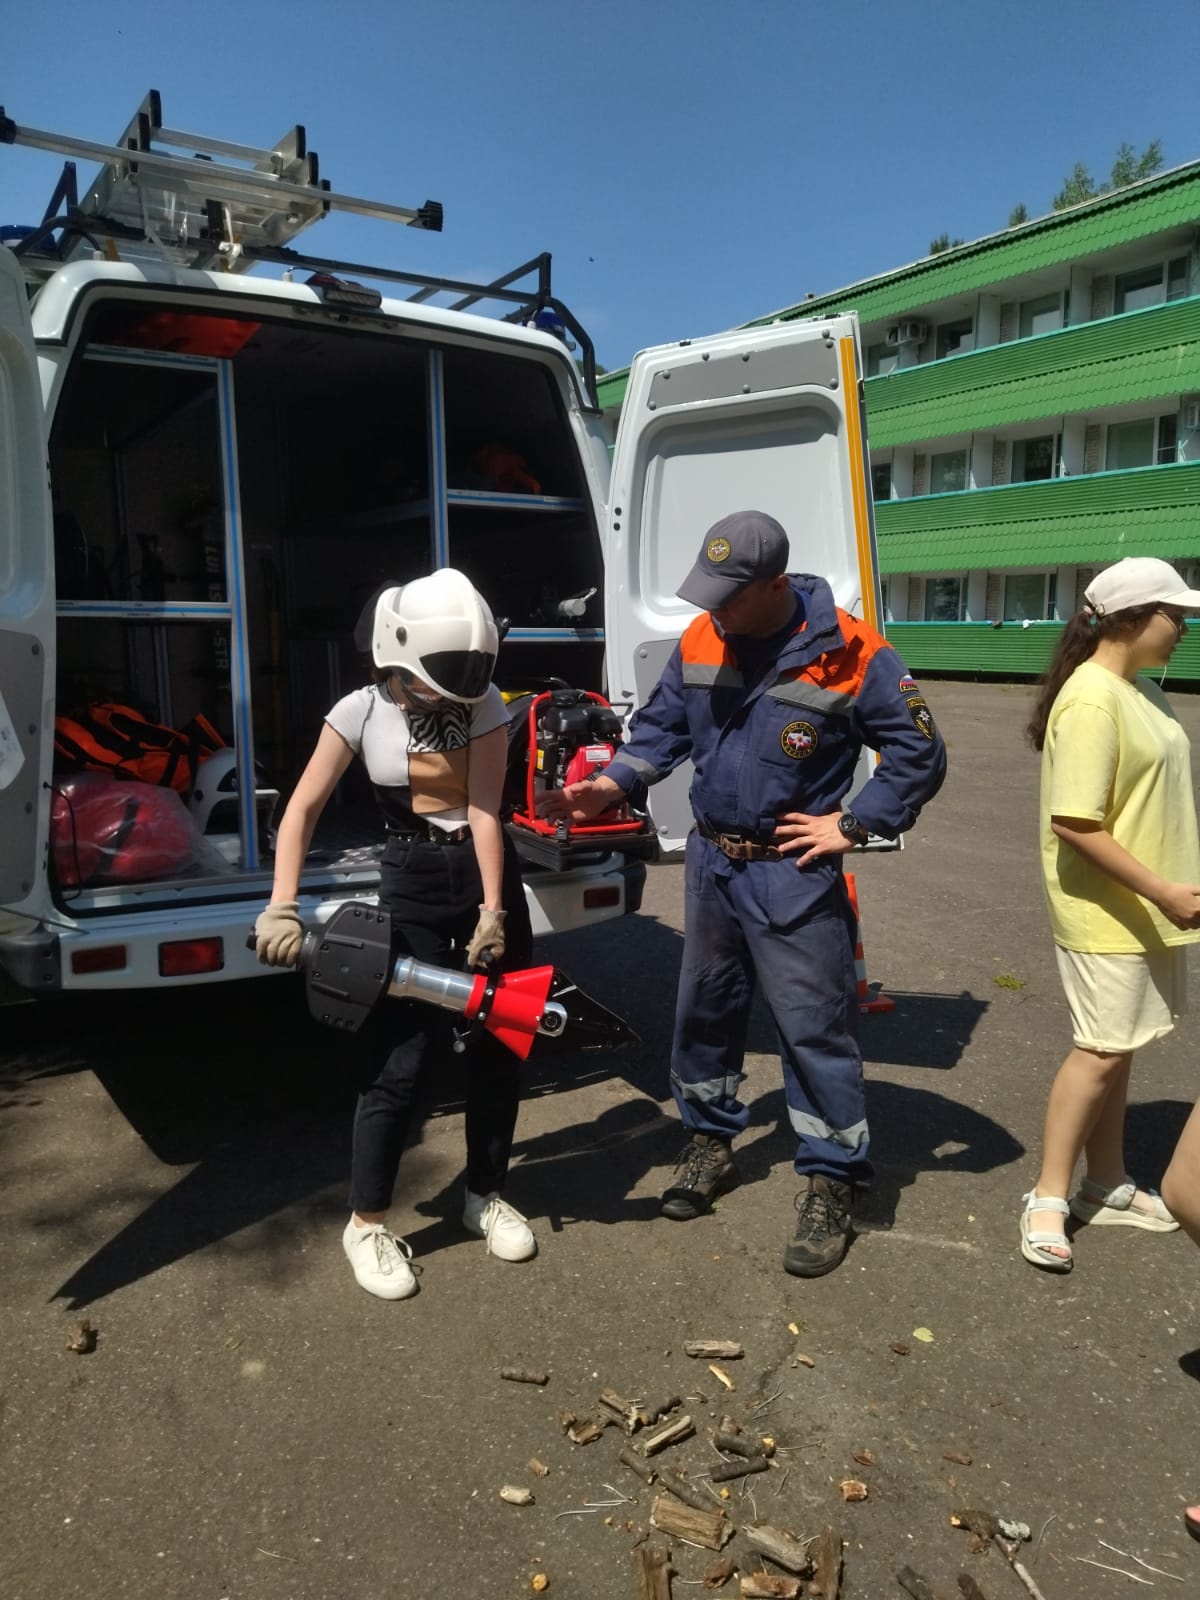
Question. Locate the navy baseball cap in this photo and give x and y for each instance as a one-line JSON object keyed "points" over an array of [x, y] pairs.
{"points": [[742, 547]]}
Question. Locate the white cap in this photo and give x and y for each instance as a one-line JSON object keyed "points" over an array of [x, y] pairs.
{"points": [[1139, 581]]}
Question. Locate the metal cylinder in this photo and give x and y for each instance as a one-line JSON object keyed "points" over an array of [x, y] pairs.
{"points": [[417, 980]]}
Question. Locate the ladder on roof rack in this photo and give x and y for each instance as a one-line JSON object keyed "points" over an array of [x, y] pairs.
{"points": [[201, 212], [215, 204]]}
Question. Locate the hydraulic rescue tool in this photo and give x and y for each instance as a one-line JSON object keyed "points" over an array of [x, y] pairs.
{"points": [[348, 968]]}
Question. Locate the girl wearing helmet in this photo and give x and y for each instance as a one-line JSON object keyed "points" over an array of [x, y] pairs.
{"points": [[432, 733]]}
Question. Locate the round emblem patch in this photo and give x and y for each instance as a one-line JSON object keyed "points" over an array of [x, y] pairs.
{"points": [[799, 740], [922, 716], [718, 550]]}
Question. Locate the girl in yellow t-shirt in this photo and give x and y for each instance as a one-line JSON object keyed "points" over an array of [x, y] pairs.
{"points": [[1121, 867]]}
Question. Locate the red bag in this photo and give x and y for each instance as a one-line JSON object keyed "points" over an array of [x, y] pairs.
{"points": [[105, 831]]}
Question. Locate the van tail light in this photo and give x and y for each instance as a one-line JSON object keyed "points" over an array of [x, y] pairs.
{"points": [[184, 958]]}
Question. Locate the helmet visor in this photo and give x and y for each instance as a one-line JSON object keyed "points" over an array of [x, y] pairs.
{"points": [[459, 674]]}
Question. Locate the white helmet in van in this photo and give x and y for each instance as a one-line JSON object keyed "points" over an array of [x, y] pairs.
{"points": [[440, 630]]}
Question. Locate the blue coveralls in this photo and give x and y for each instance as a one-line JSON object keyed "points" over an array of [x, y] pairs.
{"points": [[787, 741]]}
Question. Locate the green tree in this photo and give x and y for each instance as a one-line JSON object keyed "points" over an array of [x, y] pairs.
{"points": [[942, 243], [1128, 167], [1018, 215]]}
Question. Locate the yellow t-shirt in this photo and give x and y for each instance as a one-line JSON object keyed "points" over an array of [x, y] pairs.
{"points": [[1115, 754]]}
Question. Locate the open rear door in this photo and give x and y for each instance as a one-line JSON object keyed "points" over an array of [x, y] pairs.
{"points": [[26, 611], [765, 419]]}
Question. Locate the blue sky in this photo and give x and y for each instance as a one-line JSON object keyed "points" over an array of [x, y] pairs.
{"points": [[690, 166]]}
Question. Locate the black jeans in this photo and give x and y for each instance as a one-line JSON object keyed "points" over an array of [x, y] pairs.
{"points": [[433, 894]]}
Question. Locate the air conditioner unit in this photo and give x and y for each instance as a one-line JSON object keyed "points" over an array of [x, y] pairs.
{"points": [[912, 332], [1191, 415]]}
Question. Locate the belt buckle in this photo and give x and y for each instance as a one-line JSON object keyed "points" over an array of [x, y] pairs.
{"points": [[731, 846]]}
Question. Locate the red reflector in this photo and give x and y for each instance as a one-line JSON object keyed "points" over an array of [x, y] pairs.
{"points": [[593, 899], [99, 958], [188, 956]]}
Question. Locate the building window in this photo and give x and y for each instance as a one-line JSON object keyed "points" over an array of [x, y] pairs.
{"points": [[955, 338], [1035, 460], [1025, 597], [885, 598], [1150, 286], [1044, 315], [1148, 442], [948, 472], [881, 359], [943, 599], [881, 480]]}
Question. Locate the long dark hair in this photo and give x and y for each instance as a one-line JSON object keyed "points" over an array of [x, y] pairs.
{"points": [[1076, 644]]}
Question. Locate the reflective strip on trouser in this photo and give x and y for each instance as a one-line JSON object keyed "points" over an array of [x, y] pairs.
{"points": [[740, 927]]}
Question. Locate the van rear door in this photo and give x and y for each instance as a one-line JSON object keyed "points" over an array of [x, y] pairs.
{"points": [[766, 419], [26, 608]]}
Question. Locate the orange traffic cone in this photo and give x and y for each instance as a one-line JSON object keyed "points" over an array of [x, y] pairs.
{"points": [[868, 999]]}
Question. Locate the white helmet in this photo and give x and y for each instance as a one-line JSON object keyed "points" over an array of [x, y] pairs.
{"points": [[438, 629]]}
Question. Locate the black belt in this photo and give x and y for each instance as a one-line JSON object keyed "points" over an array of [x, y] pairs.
{"points": [[740, 846], [431, 835]]}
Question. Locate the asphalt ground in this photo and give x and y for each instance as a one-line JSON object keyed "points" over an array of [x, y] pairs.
{"points": [[252, 1424]]}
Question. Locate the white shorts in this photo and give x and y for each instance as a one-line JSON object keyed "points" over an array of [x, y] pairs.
{"points": [[1119, 1003]]}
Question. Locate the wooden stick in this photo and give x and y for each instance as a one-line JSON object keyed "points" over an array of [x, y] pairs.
{"points": [[712, 1349], [719, 1574], [734, 1445], [738, 1469], [524, 1375], [829, 1564], [762, 1586], [969, 1588], [681, 1428], [783, 1549], [1009, 1552], [708, 1528], [685, 1491], [651, 1413], [652, 1569], [914, 1584], [629, 1457]]}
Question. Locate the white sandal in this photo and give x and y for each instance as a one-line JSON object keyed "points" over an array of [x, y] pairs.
{"points": [[1114, 1208], [1036, 1244]]}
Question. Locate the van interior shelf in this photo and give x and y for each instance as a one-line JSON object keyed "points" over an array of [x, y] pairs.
{"points": [[380, 516]]}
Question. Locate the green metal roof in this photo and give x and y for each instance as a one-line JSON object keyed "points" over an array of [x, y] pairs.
{"points": [[1150, 511], [959, 647], [1170, 200], [1137, 356]]}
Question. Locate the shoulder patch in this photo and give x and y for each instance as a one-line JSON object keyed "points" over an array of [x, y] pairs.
{"points": [[908, 684], [799, 740], [921, 715]]}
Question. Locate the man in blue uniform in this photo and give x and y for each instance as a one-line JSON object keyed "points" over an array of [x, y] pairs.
{"points": [[772, 692]]}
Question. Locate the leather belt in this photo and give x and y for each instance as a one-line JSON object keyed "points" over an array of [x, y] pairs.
{"points": [[738, 847], [431, 835]]}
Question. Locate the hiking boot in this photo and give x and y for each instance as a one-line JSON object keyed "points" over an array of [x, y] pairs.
{"points": [[822, 1233], [705, 1169], [380, 1260], [508, 1235]]}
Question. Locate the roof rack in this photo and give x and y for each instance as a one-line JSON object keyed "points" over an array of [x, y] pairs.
{"points": [[231, 206]]}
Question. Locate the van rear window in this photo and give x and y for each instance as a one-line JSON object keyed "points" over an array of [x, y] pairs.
{"points": [[180, 332]]}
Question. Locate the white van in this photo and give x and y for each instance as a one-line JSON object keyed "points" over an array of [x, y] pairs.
{"points": [[238, 462]]}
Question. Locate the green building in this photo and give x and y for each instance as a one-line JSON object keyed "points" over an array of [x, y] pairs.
{"points": [[1033, 411]]}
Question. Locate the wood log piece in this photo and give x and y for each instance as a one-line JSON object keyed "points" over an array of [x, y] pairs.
{"points": [[524, 1375], [959, 1457], [658, 1408], [763, 1586], [538, 1468], [734, 1445], [672, 1433], [783, 1548], [914, 1584], [580, 1430], [828, 1564], [969, 1589], [516, 1496], [620, 1408], [685, 1491], [629, 1457], [719, 1574], [721, 1376], [713, 1349], [738, 1469], [708, 1528], [652, 1569]]}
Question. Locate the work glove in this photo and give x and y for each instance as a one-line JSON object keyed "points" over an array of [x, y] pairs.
{"points": [[278, 934], [487, 942]]}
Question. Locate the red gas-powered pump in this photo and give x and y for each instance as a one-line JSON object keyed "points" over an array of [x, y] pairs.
{"points": [[570, 734]]}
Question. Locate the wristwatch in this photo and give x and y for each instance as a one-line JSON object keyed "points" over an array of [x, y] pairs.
{"points": [[853, 829]]}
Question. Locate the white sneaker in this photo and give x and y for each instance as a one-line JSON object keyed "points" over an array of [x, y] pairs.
{"points": [[508, 1234], [380, 1260]]}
